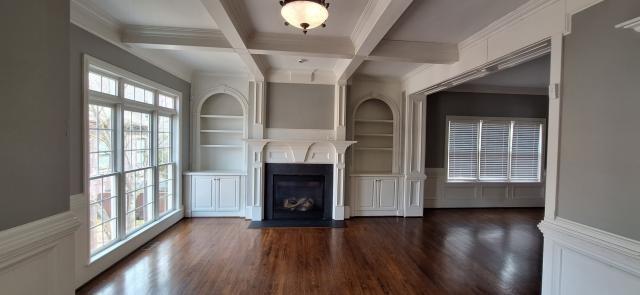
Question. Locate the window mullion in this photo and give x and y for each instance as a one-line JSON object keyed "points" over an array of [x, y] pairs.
{"points": [[154, 153], [122, 200]]}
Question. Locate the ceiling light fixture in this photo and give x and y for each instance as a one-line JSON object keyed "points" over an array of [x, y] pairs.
{"points": [[305, 14]]}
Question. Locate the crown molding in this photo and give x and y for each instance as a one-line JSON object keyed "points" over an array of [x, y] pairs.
{"points": [[92, 19], [633, 24], [174, 38]]}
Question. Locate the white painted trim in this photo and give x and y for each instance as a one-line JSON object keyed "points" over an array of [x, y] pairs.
{"points": [[580, 259], [472, 88], [300, 134], [23, 240], [43, 247]]}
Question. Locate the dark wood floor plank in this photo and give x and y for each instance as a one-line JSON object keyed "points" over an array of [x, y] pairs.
{"points": [[449, 251]]}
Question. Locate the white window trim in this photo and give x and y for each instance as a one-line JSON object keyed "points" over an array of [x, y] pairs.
{"points": [[119, 103], [481, 118]]}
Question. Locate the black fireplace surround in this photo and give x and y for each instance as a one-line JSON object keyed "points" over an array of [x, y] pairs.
{"points": [[298, 191]]}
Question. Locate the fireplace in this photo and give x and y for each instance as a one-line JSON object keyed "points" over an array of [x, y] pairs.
{"points": [[298, 191]]}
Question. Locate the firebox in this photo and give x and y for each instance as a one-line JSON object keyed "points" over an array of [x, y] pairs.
{"points": [[298, 191]]}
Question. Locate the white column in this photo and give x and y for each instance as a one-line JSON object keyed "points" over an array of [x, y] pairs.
{"points": [[339, 210], [340, 111], [254, 210], [414, 154], [258, 95]]}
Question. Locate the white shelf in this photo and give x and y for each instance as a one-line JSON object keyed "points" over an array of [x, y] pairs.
{"points": [[375, 134], [374, 121], [221, 131], [374, 149], [221, 145], [222, 116]]}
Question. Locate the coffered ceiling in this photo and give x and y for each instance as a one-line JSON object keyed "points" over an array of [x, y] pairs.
{"points": [[380, 38]]}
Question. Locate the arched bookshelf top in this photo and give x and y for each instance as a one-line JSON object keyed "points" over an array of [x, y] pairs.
{"points": [[221, 104]]}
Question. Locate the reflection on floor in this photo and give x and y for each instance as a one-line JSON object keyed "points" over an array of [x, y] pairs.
{"points": [[449, 251]]}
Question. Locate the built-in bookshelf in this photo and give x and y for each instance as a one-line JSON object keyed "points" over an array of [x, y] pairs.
{"points": [[221, 134], [374, 131]]}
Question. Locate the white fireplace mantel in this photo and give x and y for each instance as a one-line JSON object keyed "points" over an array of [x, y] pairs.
{"points": [[293, 151]]}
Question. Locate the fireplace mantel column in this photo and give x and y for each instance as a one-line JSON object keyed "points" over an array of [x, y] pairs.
{"points": [[339, 210], [256, 175], [340, 112]]}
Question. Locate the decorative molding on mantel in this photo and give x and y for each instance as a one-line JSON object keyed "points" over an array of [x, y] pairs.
{"points": [[300, 134], [300, 150], [633, 24]]}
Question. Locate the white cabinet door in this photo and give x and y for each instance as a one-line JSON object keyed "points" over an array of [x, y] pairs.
{"points": [[365, 193], [227, 193], [202, 193], [387, 194]]}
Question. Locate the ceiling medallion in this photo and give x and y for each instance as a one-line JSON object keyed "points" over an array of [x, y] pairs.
{"points": [[305, 14]]}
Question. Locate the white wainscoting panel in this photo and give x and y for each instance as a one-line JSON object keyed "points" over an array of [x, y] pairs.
{"points": [[37, 257], [582, 260], [440, 194]]}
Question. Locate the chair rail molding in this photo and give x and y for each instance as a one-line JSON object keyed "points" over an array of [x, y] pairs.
{"points": [[579, 259], [42, 249]]}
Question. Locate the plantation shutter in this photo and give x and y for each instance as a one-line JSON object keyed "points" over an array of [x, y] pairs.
{"points": [[526, 155], [463, 150], [494, 150]]}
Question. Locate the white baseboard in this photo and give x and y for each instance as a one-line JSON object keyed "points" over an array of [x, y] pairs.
{"points": [[580, 259], [86, 269], [37, 257]]}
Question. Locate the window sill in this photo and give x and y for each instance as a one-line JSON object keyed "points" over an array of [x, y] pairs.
{"points": [[492, 182], [116, 246]]}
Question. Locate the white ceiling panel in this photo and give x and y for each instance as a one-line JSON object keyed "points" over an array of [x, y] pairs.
{"points": [[343, 15], [289, 62], [448, 21], [166, 13], [206, 60]]}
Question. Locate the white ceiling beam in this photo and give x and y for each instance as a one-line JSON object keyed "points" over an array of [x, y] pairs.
{"points": [[415, 52], [376, 20], [228, 16], [299, 45]]}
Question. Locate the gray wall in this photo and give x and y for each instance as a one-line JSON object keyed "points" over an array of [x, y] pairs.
{"points": [[300, 106], [34, 157], [443, 104], [85, 42], [599, 163]]}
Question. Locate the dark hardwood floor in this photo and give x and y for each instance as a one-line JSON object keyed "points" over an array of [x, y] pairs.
{"points": [[449, 251]]}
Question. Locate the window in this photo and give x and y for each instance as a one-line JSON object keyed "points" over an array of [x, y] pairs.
{"points": [[494, 149], [166, 101], [138, 94], [103, 192], [103, 84], [166, 168], [130, 156]]}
